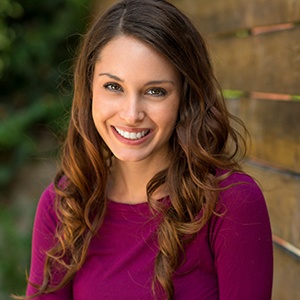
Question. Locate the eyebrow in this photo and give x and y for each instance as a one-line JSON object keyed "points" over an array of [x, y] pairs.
{"points": [[153, 82], [111, 76], [159, 82]]}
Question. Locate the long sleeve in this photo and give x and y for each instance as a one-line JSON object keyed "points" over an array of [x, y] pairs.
{"points": [[42, 240], [242, 243]]}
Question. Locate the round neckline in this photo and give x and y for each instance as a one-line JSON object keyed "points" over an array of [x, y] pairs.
{"points": [[125, 203], [126, 206], [131, 208]]}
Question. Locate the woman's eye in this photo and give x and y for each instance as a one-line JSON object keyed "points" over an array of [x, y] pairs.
{"points": [[157, 92], [113, 87]]}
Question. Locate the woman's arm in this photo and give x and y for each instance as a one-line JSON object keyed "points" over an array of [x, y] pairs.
{"points": [[242, 242], [42, 240]]}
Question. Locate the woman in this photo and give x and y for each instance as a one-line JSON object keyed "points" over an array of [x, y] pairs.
{"points": [[149, 202]]}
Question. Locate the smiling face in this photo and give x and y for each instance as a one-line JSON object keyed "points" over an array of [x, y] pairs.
{"points": [[136, 93]]}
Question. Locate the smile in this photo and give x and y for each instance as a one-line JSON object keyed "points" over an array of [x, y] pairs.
{"points": [[132, 135]]}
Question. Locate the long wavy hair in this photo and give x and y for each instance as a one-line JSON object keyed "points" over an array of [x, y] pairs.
{"points": [[203, 142]]}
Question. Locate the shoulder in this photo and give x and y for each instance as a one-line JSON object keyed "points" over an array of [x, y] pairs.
{"points": [[241, 217], [240, 188], [46, 212], [236, 179], [47, 198], [241, 201]]}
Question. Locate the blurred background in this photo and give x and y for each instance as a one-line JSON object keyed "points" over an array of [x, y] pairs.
{"points": [[38, 41], [255, 48]]}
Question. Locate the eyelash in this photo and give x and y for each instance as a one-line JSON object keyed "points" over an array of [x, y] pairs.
{"points": [[113, 87], [155, 92], [158, 92]]}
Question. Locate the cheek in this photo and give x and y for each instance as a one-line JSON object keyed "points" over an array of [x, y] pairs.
{"points": [[101, 111], [167, 118], [172, 110], [98, 115], [95, 111]]}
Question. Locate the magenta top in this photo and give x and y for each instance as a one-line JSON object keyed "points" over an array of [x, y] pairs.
{"points": [[230, 259]]}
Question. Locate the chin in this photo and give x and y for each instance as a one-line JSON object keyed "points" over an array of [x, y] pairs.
{"points": [[129, 158]]}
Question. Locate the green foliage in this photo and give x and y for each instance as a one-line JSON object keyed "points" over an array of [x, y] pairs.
{"points": [[233, 94], [37, 42], [15, 243]]}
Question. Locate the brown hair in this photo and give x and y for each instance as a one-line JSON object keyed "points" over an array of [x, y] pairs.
{"points": [[199, 144]]}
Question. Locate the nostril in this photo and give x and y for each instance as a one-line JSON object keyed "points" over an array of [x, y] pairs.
{"points": [[141, 115]]}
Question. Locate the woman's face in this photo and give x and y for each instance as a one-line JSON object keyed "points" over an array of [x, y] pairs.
{"points": [[136, 93]]}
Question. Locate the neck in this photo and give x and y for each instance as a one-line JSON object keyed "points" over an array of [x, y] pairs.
{"points": [[128, 181]]}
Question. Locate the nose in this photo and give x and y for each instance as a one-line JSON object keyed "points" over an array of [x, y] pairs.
{"points": [[131, 111]]}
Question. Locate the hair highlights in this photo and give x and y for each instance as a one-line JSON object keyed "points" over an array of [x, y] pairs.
{"points": [[201, 143]]}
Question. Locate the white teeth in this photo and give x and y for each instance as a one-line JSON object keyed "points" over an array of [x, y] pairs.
{"points": [[132, 135]]}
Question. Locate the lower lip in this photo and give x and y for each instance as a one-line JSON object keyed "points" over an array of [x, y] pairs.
{"points": [[131, 142]]}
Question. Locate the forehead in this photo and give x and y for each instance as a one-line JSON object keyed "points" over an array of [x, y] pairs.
{"points": [[128, 54]]}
